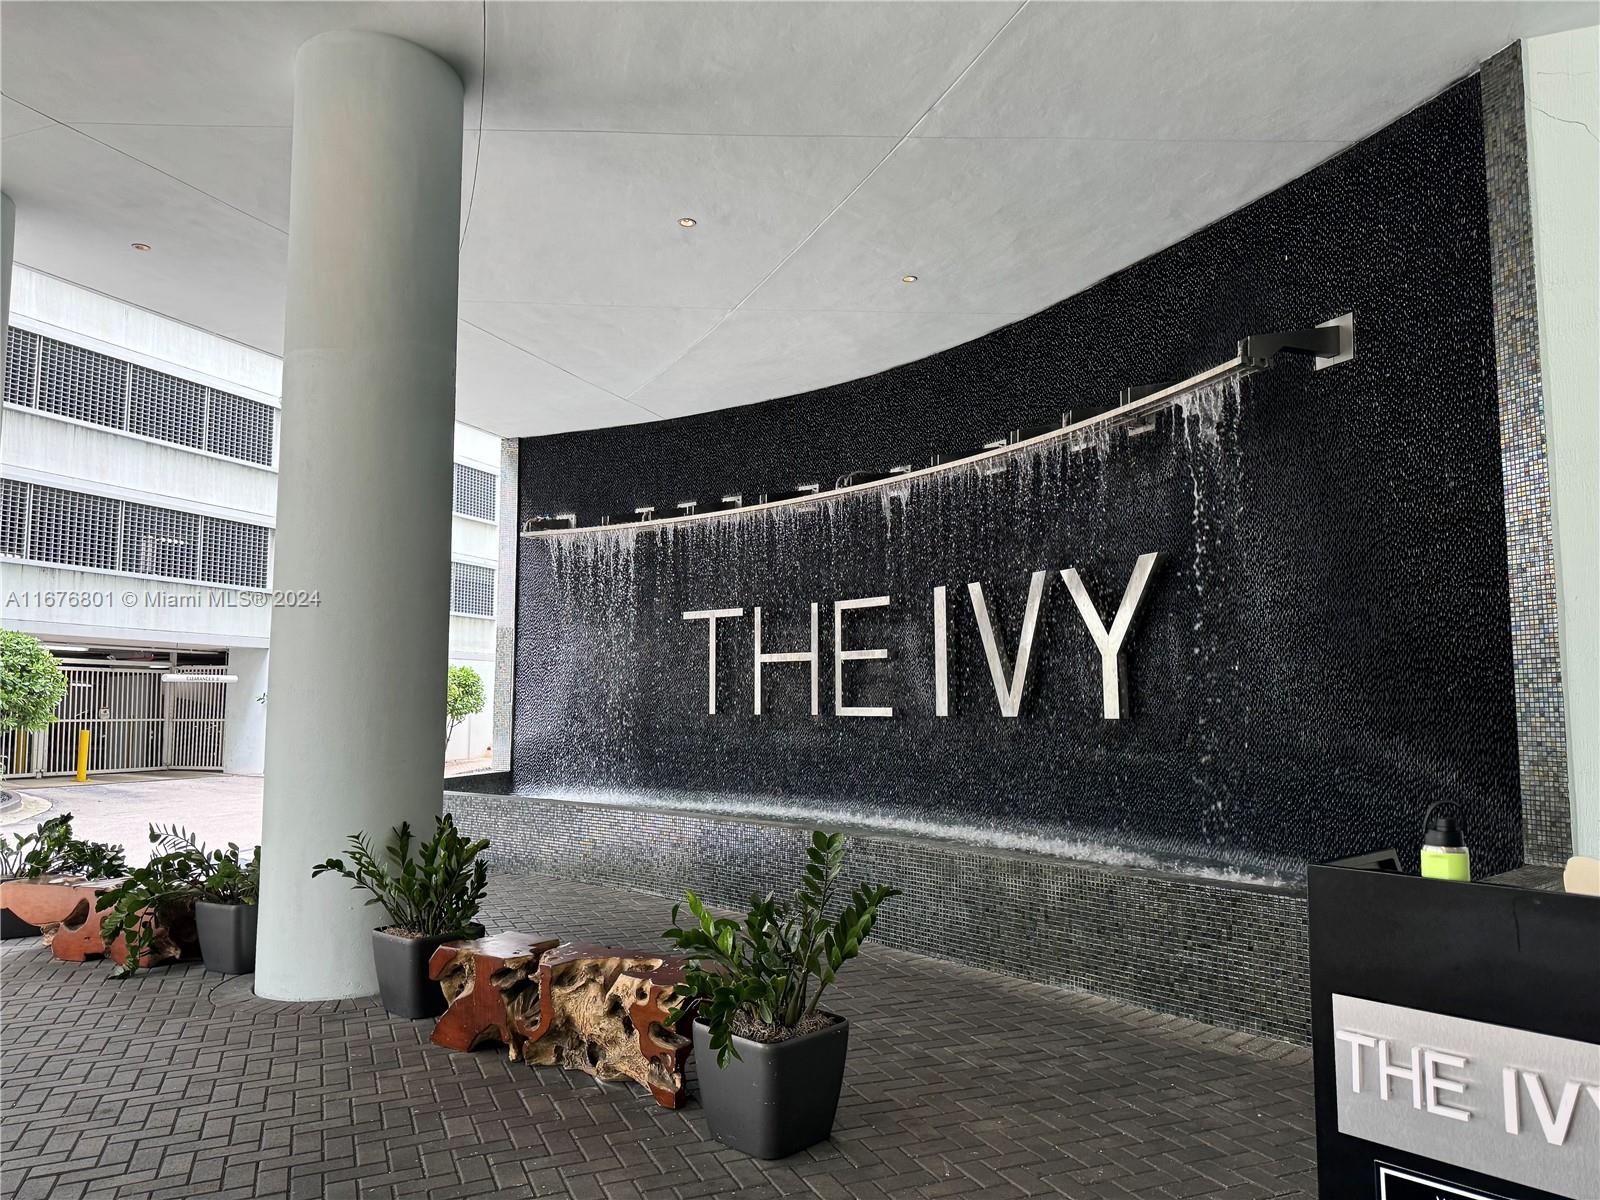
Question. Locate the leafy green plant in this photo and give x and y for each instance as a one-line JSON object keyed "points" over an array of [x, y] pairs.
{"points": [[52, 850], [12, 851], [152, 897], [183, 870], [773, 968], [32, 684], [222, 876], [434, 893], [463, 696]]}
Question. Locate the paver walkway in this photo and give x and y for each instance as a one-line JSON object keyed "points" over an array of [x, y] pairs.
{"points": [[961, 1083]]}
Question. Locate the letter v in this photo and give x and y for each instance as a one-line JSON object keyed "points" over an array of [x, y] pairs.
{"points": [[1009, 691]]}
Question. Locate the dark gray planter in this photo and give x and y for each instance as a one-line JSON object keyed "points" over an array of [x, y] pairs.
{"points": [[227, 936], [403, 981], [775, 1099]]}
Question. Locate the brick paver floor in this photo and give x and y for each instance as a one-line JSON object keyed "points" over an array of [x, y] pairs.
{"points": [[960, 1083]]}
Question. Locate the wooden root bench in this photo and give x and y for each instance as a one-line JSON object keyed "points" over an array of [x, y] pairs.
{"points": [[598, 1009], [64, 911]]}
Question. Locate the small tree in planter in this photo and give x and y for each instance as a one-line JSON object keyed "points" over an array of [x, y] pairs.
{"points": [[463, 697], [32, 684], [755, 989], [431, 898]]}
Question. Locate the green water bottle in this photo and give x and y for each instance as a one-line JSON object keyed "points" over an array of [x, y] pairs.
{"points": [[1444, 852]]}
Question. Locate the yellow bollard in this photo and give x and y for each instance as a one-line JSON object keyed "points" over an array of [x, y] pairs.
{"points": [[83, 756]]}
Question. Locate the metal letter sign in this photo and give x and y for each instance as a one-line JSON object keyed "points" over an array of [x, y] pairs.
{"points": [[1008, 675]]}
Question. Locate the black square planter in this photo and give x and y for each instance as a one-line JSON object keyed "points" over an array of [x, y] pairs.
{"points": [[403, 981], [227, 936], [776, 1098]]}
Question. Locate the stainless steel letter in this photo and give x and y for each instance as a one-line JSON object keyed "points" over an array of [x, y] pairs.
{"points": [[709, 616], [809, 656], [1009, 692], [842, 656], [941, 654], [1109, 642]]}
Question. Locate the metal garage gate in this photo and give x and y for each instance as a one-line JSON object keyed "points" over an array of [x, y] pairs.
{"points": [[136, 722]]}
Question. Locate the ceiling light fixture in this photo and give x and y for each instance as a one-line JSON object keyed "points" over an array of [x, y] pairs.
{"points": [[908, 279], [141, 246], [688, 222]]}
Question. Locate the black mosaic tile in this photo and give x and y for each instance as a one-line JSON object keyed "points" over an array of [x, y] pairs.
{"points": [[1225, 954], [1530, 543], [1329, 648]]}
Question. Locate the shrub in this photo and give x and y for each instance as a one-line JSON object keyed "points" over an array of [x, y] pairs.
{"points": [[463, 696], [434, 893], [772, 969], [32, 684], [52, 850], [183, 871]]}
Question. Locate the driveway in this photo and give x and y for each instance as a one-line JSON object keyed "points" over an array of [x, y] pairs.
{"points": [[218, 808]]}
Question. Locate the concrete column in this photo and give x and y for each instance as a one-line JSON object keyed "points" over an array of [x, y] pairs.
{"points": [[355, 735], [8, 229], [244, 738], [505, 604], [1564, 169]]}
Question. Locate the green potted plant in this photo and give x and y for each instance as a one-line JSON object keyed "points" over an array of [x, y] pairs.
{"points": [[431, 897], [771, 1059], [226, 888]]}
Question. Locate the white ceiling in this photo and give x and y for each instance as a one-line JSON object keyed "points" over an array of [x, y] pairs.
{"points": [[1007, 154]]}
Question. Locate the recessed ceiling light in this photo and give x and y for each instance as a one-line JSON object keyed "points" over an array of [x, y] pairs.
{"points": [[908, 279], [688, 222], [141, 245]]}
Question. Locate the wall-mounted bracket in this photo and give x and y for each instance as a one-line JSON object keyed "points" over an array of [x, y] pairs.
{"points": [[547, 522], [1139, 391], [1333, 341], [1346, 325]]}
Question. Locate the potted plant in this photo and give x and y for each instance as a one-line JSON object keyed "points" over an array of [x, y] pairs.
{"points": [[431, 898], [771, 1059], [225, 892]]}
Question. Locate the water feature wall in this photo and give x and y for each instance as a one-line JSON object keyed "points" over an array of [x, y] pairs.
{"points": [[1322, 649]]}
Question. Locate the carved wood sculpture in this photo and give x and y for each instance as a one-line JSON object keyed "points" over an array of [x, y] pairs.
{"points": [[177, 938], [42, 903], [603, 1010], [64, 910], [491, 988]]}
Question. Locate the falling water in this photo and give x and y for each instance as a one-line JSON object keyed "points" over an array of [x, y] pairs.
{"points": [[612, 683]]}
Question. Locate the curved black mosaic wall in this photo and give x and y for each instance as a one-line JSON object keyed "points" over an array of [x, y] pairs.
{"points": [[1324, 649]]}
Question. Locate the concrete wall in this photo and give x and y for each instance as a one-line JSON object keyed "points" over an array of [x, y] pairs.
{"points": [[60, 452], [1564, 185]]}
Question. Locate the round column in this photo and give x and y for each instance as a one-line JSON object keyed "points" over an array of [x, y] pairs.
{"points": [[355, 720], [8, 228]]}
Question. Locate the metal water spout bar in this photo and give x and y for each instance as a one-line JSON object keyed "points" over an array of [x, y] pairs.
{"points": [[1329, 343]]}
